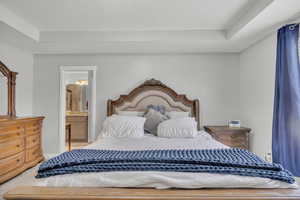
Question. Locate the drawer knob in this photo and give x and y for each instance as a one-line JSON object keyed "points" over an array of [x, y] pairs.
{"points": [[18, 160], [18, 145], [33, 140]]}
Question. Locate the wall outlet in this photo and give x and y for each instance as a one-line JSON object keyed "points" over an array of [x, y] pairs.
{"points": [[268, 157]]}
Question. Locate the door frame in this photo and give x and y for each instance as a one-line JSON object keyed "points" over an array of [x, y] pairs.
{"points": [[92, 104]]}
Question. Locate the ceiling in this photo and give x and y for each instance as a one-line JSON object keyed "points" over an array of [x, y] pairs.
{"points": [[141, 26], [82, 15]]}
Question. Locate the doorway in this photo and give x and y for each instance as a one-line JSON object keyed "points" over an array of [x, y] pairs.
{"points": [[77, 106]]}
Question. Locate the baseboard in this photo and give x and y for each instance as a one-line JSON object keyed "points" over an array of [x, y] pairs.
{"points": [[49, 155]]}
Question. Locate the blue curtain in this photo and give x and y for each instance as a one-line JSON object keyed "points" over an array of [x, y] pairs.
{"points": [[286, 116]]}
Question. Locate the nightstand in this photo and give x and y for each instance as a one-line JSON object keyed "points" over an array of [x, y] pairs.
{"points": [[233, 137]]}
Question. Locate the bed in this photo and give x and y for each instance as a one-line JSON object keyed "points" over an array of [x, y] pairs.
{"points": [[140, 184]]}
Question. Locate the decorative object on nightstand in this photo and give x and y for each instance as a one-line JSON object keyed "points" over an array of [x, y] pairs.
{"points": [[233, 137], [234, 123]]}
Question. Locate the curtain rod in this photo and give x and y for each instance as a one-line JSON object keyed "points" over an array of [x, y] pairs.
{"points": [[292, 26]]}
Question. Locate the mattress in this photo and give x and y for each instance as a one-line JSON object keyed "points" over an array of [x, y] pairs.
{"points": [[156, 179]]}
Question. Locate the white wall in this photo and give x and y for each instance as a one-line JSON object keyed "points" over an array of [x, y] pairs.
{"points": [[257, 65], [213, 78], [22, 62]]}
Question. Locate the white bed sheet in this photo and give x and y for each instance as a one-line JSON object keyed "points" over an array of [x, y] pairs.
{"points": [[159, 180]]}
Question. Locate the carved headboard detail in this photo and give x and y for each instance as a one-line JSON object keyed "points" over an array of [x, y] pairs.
{"points": [[156, 93]]}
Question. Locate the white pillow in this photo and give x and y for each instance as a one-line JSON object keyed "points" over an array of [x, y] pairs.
{"points": [[177, 114], [123, 126], [178, 128], [131, 113]]}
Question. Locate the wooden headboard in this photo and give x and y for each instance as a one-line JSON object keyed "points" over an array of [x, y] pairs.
{"points": [[156, 93]]}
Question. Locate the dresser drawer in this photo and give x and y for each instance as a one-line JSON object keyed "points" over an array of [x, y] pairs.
{"points": [[32, 140], [33, 153], [33, 124], [11, 163], [20, 145], [232, 137], [242, 146], [33, 131], [12, 147], [33, 128], [11, 133]]}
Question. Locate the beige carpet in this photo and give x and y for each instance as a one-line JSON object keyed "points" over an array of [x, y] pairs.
{"points": [[27, 178], [24, 179]]}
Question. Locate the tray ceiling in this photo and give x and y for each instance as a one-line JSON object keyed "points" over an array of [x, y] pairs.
{"points": [[147, 26]]}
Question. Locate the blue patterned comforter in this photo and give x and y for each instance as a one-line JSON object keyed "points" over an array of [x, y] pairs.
{"points": [[221, 161]]}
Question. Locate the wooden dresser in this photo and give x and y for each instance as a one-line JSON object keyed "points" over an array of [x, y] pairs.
{"points": [[233, 137], [20, 145]]}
